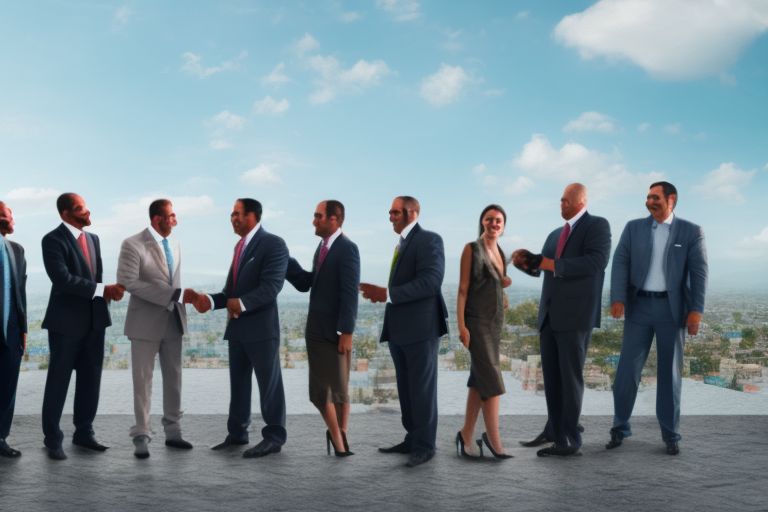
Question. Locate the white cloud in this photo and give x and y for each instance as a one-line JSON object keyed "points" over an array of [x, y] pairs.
{"points": [[725, 183], [479, 169], [444, 86], [670, 39], [269, 105], [129, 216], [673, 128], [753, 247], [227, 120], [277, 76], [349, 16], [602, 173], [193, 65], [453, 40], [591, 122], [123, 14], [522, 15], [220, 144], [306, 44], [33, 194], [401, 10], [518, 186], [333, 79], [643, 127], [262, 174]]}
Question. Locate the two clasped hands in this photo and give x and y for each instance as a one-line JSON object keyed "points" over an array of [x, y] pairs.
{"points": [[202, 303]]}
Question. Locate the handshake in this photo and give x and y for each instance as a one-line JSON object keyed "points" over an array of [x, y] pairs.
{"points": [[199, 300], [113, 292]]}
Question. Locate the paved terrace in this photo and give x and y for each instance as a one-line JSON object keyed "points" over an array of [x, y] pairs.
{"points": [[722, 466]]}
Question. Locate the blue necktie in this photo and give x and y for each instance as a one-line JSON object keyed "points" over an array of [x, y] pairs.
{"points": [[6, 264], [168, 259]]}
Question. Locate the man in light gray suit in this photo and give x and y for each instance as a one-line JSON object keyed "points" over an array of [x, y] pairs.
{"points": [[658, 279], [149, 269]]}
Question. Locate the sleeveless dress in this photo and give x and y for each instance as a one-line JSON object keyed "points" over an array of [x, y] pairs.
{"points": [[484, 318]]}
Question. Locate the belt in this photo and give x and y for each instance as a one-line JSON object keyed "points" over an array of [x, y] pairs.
{"points": [[655, 295]]}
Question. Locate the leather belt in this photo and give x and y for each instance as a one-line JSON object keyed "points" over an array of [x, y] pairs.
{"points": [[655, 295]]}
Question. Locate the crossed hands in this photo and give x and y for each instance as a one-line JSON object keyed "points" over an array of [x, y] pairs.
{"points": [[113, 292], [198, 300], [373, 293]]}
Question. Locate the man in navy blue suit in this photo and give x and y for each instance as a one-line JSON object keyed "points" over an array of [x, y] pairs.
{"points": [[13, 332], [76, 319], [658, 279], [414, 320], [253, 329], [333, 284], [573, 260]]}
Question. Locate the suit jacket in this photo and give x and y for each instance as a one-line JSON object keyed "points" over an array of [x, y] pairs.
{"points": [[142, 269], [571, 295], [72, 309], [416, 311], [334, 289], [685, 266], [259, 280], [18, 285]]}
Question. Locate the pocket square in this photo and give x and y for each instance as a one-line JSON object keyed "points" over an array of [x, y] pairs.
{"points": [[678, 245]]}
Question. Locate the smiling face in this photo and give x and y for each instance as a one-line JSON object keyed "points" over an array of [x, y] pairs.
{"points": [[325, 225], [573, 200], [493, 224], [242, 222], [78, 215], [399, 216], [659, 205], [166, 221]]}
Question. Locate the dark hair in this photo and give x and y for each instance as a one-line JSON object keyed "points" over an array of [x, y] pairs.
{"points": [[336, 209], [65, 202], [668, 189], [410, 203], [156, 207], [486, 210], [251, 206]]}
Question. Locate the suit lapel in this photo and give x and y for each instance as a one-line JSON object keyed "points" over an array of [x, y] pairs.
{"points": [[576, 230], [404, 248], [157, 254], [250, 249], [83, 269]]}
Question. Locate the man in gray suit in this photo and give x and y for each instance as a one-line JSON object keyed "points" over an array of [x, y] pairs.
{"points": [[13, 330], [150, 270], [658, 280]]}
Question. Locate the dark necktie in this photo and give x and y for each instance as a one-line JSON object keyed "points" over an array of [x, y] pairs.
{"points": [[83, 243], [561, 241], [323, 252], [236, 259]]}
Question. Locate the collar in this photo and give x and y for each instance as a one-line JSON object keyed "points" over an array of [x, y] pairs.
{"points": [[573, 220], [333, 237], [407, 229], [157, 236], [72, 229], [668, 220], [251, 234]]}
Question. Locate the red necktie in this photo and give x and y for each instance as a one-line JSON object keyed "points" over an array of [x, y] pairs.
{"points": [[323, 253], [83, 243], [561, 241], [236, 259]]}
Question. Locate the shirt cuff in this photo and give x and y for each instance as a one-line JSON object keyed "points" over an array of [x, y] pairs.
{"points": [[99, 292], [210, 301], [242, 306], [389, 297]]}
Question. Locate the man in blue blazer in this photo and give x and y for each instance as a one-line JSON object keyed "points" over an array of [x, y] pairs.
{"points": [[573, 259], [414, 320], [13, 331], [76, 318], [333, 285], [253, 329], [658, 282]]}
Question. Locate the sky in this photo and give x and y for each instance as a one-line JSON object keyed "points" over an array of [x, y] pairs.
{"points": [[460, 104]]}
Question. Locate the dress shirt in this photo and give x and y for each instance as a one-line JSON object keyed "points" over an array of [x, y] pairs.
{"points": [[99, 292], [403, 236], [175, 250], [655, 281], [248, 239], [572, 222]]}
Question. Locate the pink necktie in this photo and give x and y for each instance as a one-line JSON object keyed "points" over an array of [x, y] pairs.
{"points": [[83, 243], [563, 238], [236, 259], [323, 253]]}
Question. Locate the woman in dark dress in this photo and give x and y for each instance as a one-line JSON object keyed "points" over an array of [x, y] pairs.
{"points": [[480, 315]]}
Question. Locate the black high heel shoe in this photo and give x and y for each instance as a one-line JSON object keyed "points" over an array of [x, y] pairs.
{"points": [[344, 438], [460, 451], [495, 454], [329, 443]]}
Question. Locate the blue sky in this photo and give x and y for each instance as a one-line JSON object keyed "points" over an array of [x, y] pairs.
{"points": [[458, 103]]}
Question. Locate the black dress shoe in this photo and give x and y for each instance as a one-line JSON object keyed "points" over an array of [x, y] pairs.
{"points": [[398, 448], [580, 427], [228, 441], [89, 443], [178, 443], [538, 441], [615, 442], [558, 451], [264, 448], [673, 448], [418, 458], [7, 451], [56, 454]]}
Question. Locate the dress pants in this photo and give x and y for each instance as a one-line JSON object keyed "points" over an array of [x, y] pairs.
{"points": [[262, 358], [649, 316], [416, 372], [143, 354], [10, 360], [85, 356], [562, 365]]}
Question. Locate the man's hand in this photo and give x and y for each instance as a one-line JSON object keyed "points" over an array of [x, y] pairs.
{"points": [[113, 292], [202, 303], [506, 281], [345, 343], [233, 308], [190, 296], [693, 321], [373, 293], [519, 258], [617, 310]]}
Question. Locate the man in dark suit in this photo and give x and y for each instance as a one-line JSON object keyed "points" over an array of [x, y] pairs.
{"points": [[659, 279], [76, 319], [333, 284], [13, 334], [253, 329], [573, 259], [414, 320]]}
